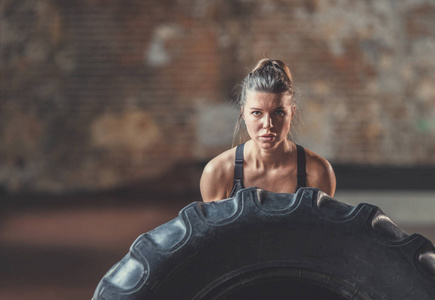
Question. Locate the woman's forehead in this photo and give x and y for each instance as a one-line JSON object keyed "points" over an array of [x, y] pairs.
{"points": [[267, 99]]}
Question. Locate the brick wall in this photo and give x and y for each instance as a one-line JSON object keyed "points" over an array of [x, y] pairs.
{"points": [[100, 94]]}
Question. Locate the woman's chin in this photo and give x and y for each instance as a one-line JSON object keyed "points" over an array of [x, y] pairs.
{"points": [[266, 145]]}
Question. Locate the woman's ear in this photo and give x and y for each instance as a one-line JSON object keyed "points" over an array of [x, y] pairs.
{"points": [[293, 110]]}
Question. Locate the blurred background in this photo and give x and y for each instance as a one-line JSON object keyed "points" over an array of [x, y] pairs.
{"points": [[110, 109]]}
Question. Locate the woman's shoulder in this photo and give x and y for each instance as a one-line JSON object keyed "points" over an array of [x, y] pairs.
{"points": [[222, 163], [315, 160], [320, 172], [217, 176]]}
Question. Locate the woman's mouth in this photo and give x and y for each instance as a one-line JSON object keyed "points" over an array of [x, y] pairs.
{"points": [[267, 137]]}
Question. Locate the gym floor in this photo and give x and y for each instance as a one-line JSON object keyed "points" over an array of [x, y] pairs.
{"points": [[51, 251]]}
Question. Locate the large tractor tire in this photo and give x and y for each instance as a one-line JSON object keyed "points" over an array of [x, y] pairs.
{"points": [[263, 245]]}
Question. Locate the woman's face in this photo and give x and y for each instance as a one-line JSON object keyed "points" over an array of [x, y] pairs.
{"points": [[268, 117]]}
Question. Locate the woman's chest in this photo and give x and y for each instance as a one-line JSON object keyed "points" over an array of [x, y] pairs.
{"points": [[278, 181]]}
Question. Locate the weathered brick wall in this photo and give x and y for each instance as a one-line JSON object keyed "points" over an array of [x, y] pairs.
{"points": [[97, 94]]}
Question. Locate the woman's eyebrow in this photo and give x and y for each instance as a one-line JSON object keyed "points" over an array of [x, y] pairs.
{"points": [[279, 107]]}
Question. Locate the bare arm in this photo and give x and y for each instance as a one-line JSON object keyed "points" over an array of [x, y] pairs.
{"points": [[217, 177], [320, 174]]}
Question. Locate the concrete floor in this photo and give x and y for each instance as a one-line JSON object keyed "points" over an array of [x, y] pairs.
{"points": [[62, 251]]}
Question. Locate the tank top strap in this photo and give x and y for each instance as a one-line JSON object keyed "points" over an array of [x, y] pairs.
{"points": [[302, 174], [238, 167], [238, 171]]}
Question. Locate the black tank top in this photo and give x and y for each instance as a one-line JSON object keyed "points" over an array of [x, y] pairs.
{"points": [[238, 169]]}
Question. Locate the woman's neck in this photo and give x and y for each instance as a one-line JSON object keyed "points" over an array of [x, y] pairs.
{"points": [[270, 158]]}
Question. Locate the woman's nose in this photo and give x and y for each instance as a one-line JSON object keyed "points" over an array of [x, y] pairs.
{"points": [[267, 122]]}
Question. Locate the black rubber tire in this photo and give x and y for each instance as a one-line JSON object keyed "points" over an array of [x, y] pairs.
{"points": [[262, 245]]}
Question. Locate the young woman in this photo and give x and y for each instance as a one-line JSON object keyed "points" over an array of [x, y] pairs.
{"points": [[269, 159]]}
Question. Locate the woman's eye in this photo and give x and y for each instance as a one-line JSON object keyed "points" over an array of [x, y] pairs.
{"points": [[279, 112], [256, 113]]}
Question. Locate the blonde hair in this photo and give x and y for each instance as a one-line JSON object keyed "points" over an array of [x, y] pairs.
{"points": [[271, 76]]}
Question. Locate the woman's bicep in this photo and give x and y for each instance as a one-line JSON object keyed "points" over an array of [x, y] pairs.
{"points": [[328, 181], [212, 184], [322, 176], [207, 190], [326, 178]]}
